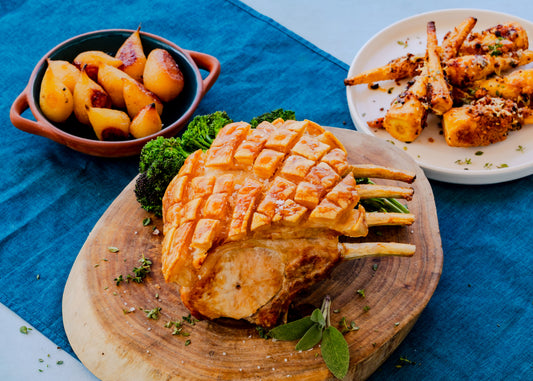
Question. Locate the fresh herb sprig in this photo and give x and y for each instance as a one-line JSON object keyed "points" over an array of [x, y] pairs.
{"points": [[314, 329]]}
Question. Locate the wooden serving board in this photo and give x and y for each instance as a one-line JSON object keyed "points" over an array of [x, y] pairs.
{"points": [[111, 334]]}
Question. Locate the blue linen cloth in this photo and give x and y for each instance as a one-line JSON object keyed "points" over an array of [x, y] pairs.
{"points": [[476, 326]]}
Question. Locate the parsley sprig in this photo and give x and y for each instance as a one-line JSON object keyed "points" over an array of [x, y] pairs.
{"points": [[314, 329]]}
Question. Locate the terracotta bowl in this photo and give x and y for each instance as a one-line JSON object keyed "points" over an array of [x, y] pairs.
{"points": [[80, 137]]}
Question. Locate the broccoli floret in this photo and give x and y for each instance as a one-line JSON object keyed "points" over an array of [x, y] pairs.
{"points": [[203, 129], [160, 160], [273, 115]]}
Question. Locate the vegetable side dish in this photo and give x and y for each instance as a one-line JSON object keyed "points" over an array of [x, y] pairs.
{"points": [[120, 97], [466, 80]]}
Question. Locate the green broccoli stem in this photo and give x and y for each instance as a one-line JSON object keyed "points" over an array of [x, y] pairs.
{"points": [[394, 206], [390, 205]]}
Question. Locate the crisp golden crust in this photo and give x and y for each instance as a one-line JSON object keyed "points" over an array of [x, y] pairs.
{"points": [[252, 178], [257, 217]]}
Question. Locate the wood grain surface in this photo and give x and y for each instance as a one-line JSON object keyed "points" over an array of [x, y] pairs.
{"points": [[113, 337]]}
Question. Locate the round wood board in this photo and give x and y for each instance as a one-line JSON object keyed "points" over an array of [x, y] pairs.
{"points": [[113, 337]]}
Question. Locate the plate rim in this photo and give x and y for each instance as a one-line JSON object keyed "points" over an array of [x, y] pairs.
{"points": [[459, 176]]}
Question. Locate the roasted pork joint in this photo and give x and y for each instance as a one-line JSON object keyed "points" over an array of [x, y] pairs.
{"points": [[257, 218]]}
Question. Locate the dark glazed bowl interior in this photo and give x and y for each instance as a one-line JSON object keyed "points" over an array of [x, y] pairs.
{"points": [[175, 113]]}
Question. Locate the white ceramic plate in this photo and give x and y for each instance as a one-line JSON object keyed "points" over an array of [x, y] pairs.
{"points": [[503, 161]]}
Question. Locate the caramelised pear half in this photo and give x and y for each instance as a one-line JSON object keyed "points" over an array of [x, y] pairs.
{"points": [[91, 60], [162, 75], [88, 93], [66, 72], [109, 124], [110, 78], [131, 53], [147, 122], [136, 97], [55, 99]]}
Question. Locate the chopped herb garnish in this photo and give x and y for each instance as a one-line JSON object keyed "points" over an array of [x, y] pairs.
{"points": [[345, 328], [478, 153], [25, 330], [139, 273], [147, 221], [153, 313], [402, 43], [520, 148], [463, 162], [361, 292], [59, 362], [502, 166], [113, 249], [190, 319]]}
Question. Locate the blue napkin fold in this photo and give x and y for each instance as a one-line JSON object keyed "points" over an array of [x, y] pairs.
{"points": [[476, 326]]}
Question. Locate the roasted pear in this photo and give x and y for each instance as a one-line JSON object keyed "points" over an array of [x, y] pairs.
{"points": [[131, 53], [93, 59], [111, 80], [88, 93], [147, 122], [136, 97], [55, 99], [162, 75], [109, 124], [65, 72]]}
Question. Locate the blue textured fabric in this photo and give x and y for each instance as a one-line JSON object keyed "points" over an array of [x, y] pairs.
{"points": [[478, 325]]}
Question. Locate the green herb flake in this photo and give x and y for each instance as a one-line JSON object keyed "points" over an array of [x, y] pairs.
{"points": [[345, 328], [503, 166], [466, 161], [520, 148], [402, 43], [113, 249], [147, 221], [25, 330], [187, 342], [59, 362], [361, 292], [478, 153], [153, 313]]}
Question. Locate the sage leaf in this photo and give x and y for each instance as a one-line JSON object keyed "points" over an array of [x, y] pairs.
{"points": [[335, 352], [318, 317], [311, 338], [291, 331]]}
